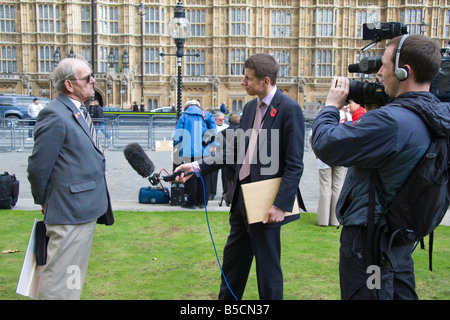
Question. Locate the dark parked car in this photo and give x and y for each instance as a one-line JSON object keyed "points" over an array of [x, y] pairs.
{"points": [[15, 106]]}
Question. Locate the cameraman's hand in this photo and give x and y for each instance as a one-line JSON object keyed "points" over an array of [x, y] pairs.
{"points": [[187, 167], [338, 93]]}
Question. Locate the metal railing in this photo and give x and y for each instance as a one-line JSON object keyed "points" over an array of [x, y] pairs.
{"points": [[147, 130], [6, 135], [17, 135]]}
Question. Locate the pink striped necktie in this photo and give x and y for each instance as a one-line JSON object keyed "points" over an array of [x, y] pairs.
{"points": [[245, 168]]}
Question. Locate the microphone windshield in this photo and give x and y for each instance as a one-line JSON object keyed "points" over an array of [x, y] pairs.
{"points": [[139, 160]]}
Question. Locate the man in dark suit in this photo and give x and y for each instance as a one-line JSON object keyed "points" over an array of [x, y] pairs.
{"points": [[278, 152], [66, 171]]}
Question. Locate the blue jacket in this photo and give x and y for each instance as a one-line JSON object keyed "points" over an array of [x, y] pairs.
{"points": [[392, 139], [194, 132]]}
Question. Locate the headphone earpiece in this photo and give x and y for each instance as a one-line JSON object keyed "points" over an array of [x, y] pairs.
{"points": [[401, 73]]}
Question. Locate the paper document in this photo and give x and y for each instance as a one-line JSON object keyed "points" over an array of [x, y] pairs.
{"points": [[259, 197], [28, 285]]}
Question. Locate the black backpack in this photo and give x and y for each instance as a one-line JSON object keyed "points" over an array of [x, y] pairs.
{"points": [[419, 206], [9, 190]]}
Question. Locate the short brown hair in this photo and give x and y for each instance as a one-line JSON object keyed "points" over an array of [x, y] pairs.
{"points": [[264, 65], [421, 53]]}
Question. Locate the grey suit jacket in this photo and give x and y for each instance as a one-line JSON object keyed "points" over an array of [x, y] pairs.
{"points": [[66, 171]]}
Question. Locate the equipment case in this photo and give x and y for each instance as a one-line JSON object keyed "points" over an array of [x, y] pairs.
{"points": [[177, 194], [153, 195]]}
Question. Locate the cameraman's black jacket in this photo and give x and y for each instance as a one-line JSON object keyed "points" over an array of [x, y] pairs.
{"points": [[391, 139]]}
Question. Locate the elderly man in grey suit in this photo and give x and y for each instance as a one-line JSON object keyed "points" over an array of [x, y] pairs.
{"points": [[66, 171]]}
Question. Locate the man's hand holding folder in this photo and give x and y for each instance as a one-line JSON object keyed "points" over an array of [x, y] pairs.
{"points": [[259, 197], [274, 215]]}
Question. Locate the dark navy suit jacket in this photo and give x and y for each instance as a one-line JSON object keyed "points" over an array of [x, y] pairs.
{"points": [[279, 149]]}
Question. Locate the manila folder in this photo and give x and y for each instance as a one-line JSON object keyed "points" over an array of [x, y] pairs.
{"points": [[259, 197]]}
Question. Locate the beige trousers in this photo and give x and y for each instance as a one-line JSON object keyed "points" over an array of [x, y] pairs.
{"points": [[68, 252], [331, 181]]}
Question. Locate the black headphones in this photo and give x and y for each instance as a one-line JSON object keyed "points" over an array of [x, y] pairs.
{"points": [[400, 73]]}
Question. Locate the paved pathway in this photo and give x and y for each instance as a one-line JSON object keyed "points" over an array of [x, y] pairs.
{"points": [[124, 183]]}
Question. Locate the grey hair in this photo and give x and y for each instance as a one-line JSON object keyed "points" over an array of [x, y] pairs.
{"points": [[219, 114], [66, 69]]}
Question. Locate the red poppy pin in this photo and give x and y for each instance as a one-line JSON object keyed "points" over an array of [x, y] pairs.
{"points": [[273, 111]]}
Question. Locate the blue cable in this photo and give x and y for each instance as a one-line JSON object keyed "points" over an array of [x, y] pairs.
{"points": [[210, 234], [415, 246]]}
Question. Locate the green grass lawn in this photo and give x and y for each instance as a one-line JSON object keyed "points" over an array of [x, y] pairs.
{"points": [[170, 256]]}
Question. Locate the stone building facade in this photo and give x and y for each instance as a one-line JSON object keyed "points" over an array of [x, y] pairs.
{"points": [[313, 40]]}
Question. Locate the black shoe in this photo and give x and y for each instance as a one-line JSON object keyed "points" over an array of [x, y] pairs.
{"points": [[186, 205]]}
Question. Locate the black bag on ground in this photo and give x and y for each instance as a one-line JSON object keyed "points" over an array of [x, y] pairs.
{"points": [[9, 190], [176, 194]]}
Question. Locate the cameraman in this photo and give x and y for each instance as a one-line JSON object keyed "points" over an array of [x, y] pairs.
{"points": [[390, 139]]}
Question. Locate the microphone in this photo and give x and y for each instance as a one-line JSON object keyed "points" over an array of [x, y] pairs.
{"points": [[139, 160], [172, 177]]}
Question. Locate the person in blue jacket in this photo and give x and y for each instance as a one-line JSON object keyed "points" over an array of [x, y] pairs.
{"points": [[391, 139], [193, 138], [223, 108]]}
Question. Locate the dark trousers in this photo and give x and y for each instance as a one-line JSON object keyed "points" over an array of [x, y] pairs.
{"points": [[245, 242], [193, 188], [214, 179], [396, 279]]}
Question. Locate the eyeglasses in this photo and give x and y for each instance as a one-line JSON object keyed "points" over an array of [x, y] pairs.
{"points": [[87, 78]]}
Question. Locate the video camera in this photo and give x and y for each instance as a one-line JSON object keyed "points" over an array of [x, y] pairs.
{"points": [[382, 30], [365, 93], [373, 93]]}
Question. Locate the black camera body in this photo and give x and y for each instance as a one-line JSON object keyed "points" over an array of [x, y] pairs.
{"points": [[383, 30], [365, 93]]}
